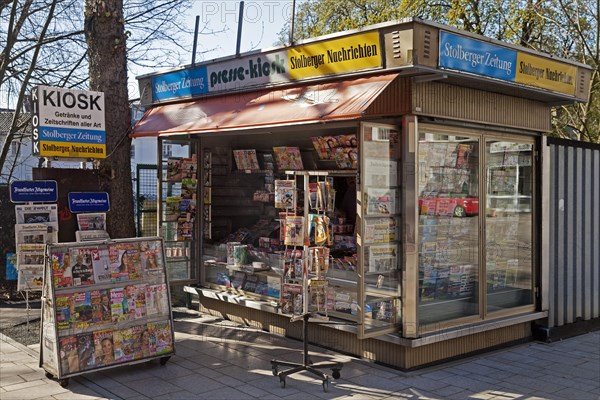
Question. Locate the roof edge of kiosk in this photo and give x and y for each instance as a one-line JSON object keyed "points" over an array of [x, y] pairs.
{"points": [[409, 47], [337, 100]]}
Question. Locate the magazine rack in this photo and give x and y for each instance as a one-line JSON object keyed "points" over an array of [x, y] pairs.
{"points": [[104, 304], [306, 364], [295, 234]]}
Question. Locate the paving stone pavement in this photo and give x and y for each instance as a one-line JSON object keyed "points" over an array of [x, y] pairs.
{"points": [[217, 359]]}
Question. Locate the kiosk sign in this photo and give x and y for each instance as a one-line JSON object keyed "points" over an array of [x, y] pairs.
{"points": [[33, 191], [68, 123], [481, 58], [88, 202]]}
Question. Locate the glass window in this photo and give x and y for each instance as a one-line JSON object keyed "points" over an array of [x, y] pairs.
{"points": [[509, 186], [380, 240], [448, 266]]}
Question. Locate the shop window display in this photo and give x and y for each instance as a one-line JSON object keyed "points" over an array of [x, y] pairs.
{"points": [[456, 265], [293, 216], [448, 225]]}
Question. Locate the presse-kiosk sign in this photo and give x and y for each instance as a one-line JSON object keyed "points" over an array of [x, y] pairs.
{"points": [[68, 123]]}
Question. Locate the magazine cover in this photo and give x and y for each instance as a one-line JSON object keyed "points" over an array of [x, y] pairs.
{"points": [[188, 188], [293, 264], [81, 265], [174, 169], [69, 359], [317, 296], [82, 304], [35, 233], [91, 235], [104, 347], [250, 284], [294, 231], [152, 255], [61, 269], [31, 233], [291, 299], [123, 341], [136, 301], [101, 312], [157, 302], [30, 255], [118, 305], [37, 214], [318, 261], [30, 279], [382, 258], [288, 158], [101, 265], [285, 193], [380, 230], [381, 201], [346, 157], [238, 280], [246, 159], [86, 351], [172, 208], [189, 166], [125, 261], [381, 173], [91, 221], [64, 310], [160, 337]]}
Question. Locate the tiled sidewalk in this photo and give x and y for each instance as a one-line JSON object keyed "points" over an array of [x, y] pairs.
{"points": [[217, 359]]}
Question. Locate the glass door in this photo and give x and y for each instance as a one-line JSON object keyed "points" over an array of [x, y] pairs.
{"points": [[448, 243], [379, 246], [509, 218], [178, 188]]}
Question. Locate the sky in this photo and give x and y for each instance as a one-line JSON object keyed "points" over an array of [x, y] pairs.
{"points": [[261, 23]]}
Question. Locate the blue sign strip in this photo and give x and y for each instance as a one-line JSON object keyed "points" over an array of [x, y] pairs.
{"points": [[469, 55], [180, 84], [34, 192], [70, 135], [84, 202]]}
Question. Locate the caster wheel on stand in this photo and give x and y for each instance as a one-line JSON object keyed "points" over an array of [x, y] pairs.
{"points": [[49, 375], [336, 374], [164, 360], [64, 382]]}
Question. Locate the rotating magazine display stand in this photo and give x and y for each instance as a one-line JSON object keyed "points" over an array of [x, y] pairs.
{"points": [[302, 297], [105, 304]]}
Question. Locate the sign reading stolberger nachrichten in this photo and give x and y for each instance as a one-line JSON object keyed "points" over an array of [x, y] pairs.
{"points": [[68, 123]]}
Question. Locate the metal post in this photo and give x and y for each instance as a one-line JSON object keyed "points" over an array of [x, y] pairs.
{"points": [[195, 39], [239, 33], [293, 22]]}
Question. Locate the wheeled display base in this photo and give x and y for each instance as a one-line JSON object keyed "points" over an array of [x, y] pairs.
{"points": [[306, 365]]}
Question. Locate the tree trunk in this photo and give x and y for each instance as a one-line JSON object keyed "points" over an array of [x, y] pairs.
{"points": [[105, 37]]}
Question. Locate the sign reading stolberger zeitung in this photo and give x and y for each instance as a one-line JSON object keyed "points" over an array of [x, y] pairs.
{"points": [[68, 123]]}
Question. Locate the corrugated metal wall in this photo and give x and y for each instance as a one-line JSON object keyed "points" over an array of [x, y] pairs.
{"points": [[574, 237]]}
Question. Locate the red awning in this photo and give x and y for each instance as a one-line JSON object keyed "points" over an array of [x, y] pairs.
{"points": [[339, 100]]}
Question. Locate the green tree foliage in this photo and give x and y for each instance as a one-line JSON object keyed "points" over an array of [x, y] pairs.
{"points": [[563, 28]]}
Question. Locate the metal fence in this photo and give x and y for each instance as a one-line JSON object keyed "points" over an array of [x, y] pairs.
{"points": [[146, 198], [574, 232]]}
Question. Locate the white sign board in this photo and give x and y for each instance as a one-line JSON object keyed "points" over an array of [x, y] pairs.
{"points": [[68, 123]]}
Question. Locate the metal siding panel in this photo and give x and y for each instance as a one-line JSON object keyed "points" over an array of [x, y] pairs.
{"points": [[553, 226], [569, 212], [588, 176], [560, 234], [578, 226], [595, 236]]}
